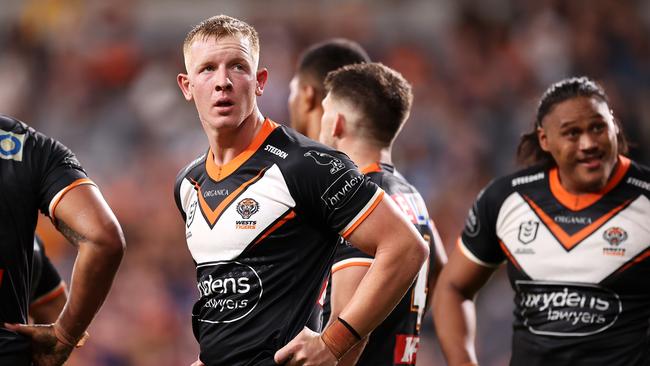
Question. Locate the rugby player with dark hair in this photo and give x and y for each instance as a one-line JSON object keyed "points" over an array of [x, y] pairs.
{"points": [[264, 208], [39, 173], [307, 91], [364, 110], [573, 229], [307, 88]]}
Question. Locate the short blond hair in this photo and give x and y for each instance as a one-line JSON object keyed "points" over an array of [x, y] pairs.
{"points": [[222, 26]]}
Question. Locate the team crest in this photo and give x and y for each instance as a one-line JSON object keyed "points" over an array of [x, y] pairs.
{"points": [[615, 236], [326, 159], [247, 208], [528, 231]]}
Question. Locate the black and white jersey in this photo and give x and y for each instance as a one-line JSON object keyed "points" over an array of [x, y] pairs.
{"points": [[35, 172], [262, 230], [578, 264], [396, 340], [46, 282]]}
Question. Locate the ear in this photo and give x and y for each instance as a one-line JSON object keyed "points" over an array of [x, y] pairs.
{"points": [[542, 138], [340, 125], [261, 76], [309, 95], [184, 83]]}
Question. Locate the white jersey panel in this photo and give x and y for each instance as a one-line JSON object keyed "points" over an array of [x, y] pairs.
{"points": [[264, 202], [543, 257]]}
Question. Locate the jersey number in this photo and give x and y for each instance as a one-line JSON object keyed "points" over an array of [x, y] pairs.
{"points": [[419, 294]]}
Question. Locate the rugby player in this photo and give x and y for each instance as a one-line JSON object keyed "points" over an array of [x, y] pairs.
{"points": [[264, 208], [307, 88], [37, 172], [573, 229], [307, 91], [364, 110]]}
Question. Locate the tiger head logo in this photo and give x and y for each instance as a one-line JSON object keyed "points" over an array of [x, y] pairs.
{"points": [[615, 235], [247, 208]]}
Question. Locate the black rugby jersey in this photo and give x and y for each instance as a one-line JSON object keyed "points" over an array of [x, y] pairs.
{"points": [[35, 172], [262, 230], [578, 264], [46, 282], [396, 340]]}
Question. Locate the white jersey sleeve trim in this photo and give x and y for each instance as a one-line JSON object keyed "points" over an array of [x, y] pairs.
{"points": [[473, 258]]}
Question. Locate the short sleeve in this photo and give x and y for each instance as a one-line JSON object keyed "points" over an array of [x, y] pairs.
{"points": [[479, 241], [330, 189], [59, 171]]}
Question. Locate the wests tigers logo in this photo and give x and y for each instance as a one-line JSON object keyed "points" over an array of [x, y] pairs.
{"points": [[615, 235], [247, 208]]}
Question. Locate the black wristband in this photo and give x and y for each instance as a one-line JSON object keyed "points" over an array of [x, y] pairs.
{"points": [[349, 327]]}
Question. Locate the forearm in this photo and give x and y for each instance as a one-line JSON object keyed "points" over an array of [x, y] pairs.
{"points": [[386, 282], [455, 322], [92, 277], [351, 358]]}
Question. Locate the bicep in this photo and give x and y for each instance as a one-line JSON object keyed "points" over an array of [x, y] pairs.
{"points": [[384, 226], [83, 214]]}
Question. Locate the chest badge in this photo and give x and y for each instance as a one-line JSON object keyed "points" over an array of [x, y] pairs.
{"points": [[528, 231]]}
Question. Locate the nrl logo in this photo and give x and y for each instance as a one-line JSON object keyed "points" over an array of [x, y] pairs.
{"points": [[615, 235], [528, 231], [247, 208], [326, 159]]}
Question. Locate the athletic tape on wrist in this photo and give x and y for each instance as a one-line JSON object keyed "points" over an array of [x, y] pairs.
{"points": [[340, 337], [67, 339]]}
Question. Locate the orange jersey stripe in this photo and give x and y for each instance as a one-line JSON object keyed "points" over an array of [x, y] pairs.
{"points": [[277, 225], [57, 198], [357, 262], [349, 231], [576, 202], [639, 258], [56, 292], [509, 255], [220, 172], [570, 241], [372, 168]]}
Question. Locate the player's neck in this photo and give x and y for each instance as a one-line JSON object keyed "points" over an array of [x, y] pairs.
{"points": [[364, 154], [226, 144]]}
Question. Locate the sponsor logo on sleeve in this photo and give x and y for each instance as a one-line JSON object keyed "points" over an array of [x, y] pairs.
{"points": [[472, 223], [11, 145], [406, 348], [339, 193], [528, 231], [615, 236], [229, 292], [335, 164], [190, 212], [566, 309]]}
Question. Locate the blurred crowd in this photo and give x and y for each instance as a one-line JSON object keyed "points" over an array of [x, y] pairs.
{"points": [[100, 76]]}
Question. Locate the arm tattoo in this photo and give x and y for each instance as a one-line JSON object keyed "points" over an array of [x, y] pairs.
{"points": [[72, 236]]}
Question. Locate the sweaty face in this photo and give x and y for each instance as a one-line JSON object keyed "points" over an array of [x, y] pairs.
{"points": [[223, 80], [580, 134], [330, 114]]}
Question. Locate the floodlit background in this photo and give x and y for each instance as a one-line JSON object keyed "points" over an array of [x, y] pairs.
{"points": [[100, 77]]}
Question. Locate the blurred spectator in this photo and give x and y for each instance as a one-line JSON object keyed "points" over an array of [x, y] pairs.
{"points": [[100, 77]]}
